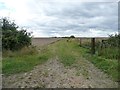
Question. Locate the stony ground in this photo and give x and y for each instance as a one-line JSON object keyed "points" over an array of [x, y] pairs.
{"points": [[53, 74]]}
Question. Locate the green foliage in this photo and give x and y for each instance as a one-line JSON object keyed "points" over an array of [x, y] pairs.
{"points": [[110, 49], [114, 40], [106, 48], [13, 39], [72, 36]]}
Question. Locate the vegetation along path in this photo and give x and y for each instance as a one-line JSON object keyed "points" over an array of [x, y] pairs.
{"points": [[65, 68]]}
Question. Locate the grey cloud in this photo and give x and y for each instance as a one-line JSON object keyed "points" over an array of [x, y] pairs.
{"points": [[77, 17], [78, 10]]}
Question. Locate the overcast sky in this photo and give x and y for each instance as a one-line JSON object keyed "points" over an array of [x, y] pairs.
{"points": [[48, 18]]}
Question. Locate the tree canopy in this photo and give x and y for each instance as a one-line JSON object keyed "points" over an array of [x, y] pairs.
{"points": [[72, 36]]}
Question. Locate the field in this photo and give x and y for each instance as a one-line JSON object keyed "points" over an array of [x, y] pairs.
{"points": [[43, 41], [62, 64]]}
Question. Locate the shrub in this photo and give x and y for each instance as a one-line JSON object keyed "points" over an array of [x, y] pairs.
{"points": [[13, 39], [72, 36], [111, 48], [114, 40]]}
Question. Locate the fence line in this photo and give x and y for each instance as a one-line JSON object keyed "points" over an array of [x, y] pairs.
{"points": [[102, 44]]}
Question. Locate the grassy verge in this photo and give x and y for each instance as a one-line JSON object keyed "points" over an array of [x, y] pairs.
{"points": [[109, 52], [24, 62], [109, 66]]}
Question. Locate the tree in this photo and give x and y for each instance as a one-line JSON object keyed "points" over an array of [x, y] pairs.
{"points": [[72, 36], [13, 39]]}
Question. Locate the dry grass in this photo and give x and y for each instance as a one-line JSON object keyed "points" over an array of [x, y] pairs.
{"points": [[24, 51]]}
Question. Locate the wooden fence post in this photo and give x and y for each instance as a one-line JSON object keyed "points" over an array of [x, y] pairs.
{"points": [[80, 41], [92, 45], [102, 44]]}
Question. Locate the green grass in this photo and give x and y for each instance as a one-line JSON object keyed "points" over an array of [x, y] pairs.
{"points": [[18, 64], [109, 52], [68, 52], [109, 66], [65, 53]]}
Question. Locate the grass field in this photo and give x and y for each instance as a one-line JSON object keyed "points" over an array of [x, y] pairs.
{"points": [[68, 52]]}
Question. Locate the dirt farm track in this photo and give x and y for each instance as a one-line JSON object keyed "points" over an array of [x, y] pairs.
{"points": [[54, 74]]}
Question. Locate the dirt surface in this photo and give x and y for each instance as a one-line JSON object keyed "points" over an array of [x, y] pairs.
{"points": [[43, 41], [53, 74]]}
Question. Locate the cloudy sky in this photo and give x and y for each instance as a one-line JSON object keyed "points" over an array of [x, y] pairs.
{"points": [[49, 18]]}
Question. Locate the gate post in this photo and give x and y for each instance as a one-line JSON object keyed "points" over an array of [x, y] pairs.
{"points": [[80, 41], [92, 45]]}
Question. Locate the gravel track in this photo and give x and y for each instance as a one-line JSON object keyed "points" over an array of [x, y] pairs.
{"points": [[53, 74]]}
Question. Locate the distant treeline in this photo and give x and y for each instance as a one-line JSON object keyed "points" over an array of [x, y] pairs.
{"points": [[72, 36]]}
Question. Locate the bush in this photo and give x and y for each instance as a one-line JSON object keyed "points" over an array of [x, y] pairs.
{"points": [[72, 36], [13, 39], [110, 49], [114, 40]]}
